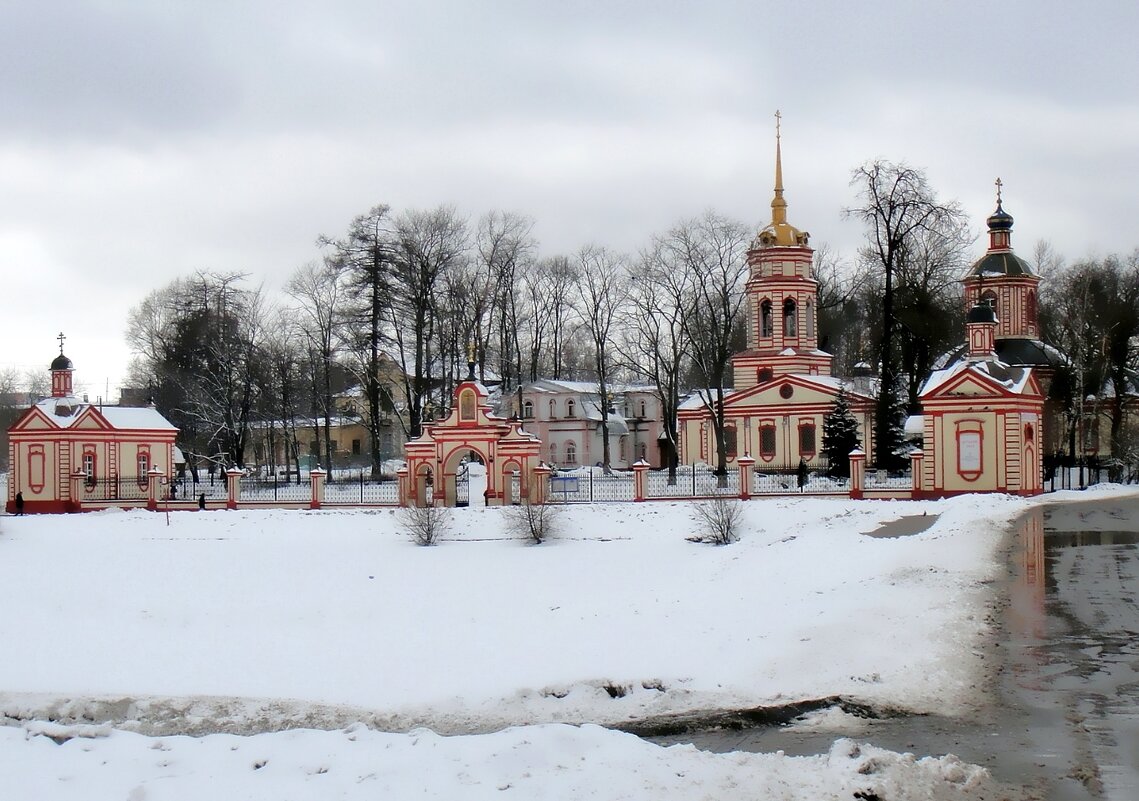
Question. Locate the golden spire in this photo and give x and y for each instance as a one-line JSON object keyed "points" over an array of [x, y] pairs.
{"points": [[778, 204]]}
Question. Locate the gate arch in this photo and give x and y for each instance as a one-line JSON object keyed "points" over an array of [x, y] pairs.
{"points": [[471, 426]]}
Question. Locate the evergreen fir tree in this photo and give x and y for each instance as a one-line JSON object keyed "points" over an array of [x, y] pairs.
{"points": [[894, 436], [840, 436]]}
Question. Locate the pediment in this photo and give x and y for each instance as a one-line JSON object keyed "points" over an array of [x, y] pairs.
{"points": [[90, 420], [34, 420], [786, 390]]}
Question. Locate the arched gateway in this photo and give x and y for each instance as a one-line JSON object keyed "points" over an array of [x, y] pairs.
{"points": [[437, 454]]}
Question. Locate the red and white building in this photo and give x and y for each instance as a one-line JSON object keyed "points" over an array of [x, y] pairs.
{"points": [[783, 382], [64, 452]]}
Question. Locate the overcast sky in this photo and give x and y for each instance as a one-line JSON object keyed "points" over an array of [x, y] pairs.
{"points": [[142, 141]]}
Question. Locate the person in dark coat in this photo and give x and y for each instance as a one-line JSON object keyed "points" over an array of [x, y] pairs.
{"points": [[19, 503], [801, 473], [202, 501]]}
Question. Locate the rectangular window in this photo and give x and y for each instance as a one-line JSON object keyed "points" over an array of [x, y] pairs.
{"points": [[807, 440], [767, 441], [730, 441], [355, 447]]}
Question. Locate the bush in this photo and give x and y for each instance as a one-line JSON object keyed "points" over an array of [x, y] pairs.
{"points": [[718, 520], [425, 524], [534, 521]]}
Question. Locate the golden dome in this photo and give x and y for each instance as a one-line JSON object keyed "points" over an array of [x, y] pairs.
{"points": [[779, 232]]}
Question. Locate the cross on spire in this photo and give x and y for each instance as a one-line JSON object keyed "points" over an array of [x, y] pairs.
{"points": [[999, 184], [778, 118], [61, 337]]}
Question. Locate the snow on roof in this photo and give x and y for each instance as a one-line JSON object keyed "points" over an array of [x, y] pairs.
{"points": [[915, 425], [695, 399], [64, 412], [584, 387], [1014, 379]]}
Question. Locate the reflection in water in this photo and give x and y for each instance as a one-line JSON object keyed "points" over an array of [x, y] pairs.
{"points": [[1073, 624]]}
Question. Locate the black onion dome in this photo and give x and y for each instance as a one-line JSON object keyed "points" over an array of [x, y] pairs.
{"points": [[1000, 220], [61, 362], [981, 313]]}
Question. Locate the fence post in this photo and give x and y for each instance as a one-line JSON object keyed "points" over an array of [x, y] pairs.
{"points": [[540, 484], [316, 476], [77, 479], [153, 487], [402, 476], [857, 472], [233, 484], [640, 472], [746, 463], [917, 457]]}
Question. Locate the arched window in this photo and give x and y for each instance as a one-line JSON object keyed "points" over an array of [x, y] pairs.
{"points": [[571, 410], [766, 327], [553, 409], [807, 439], [622, 443], [643, 409], [527, 410], [143, 467], [790, 324], [767, 440], [642, 451], [571, 455], [1030, 308], [553, 453], [809, 318], [467, 405], [990, 297]]}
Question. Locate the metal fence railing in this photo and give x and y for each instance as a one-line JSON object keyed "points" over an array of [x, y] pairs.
{"points": [[186, 488], [115, 488], [358, 488], [691, 482], [275, 489], [591, 486]]}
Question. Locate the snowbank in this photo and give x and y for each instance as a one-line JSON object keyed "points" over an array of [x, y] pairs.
{"points": [[290, 618]]}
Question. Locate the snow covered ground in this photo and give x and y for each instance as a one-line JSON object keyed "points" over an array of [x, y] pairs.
{"points": [[235, 627]]}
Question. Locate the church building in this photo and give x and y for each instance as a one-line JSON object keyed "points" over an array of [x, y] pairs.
{"points": [[65, 453], [783, 385]]}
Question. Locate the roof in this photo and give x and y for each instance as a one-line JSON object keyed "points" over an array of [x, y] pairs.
{"points": [[65, 412], [1001, 262], [1017, 351], [61, 362], [1014, 379], [583, 387]]}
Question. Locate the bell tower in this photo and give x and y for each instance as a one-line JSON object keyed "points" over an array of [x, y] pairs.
{"points": [[782, 298], [1004, 281], [61, 370]]}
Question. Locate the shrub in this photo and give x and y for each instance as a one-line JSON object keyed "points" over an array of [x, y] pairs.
{"points": [[425, 524], [534, 521], [718, 520]]}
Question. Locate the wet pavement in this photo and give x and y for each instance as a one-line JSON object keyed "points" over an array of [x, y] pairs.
{"points": [[1063, 721]]}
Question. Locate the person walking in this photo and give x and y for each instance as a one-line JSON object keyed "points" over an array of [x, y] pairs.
{"points": [[19, 503], [202, 501], [801, 473]]}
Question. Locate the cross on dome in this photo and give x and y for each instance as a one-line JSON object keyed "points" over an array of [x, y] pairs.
{"points": [[61, 337]]}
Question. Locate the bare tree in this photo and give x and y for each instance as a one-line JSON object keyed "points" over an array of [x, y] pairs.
{"points": [[710, 253], [506, 250], [654, 345], [425, 525], [429, 245], [899, 209], [319, 292], [601, 285]]}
